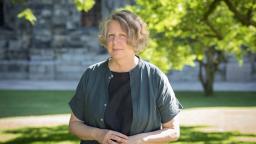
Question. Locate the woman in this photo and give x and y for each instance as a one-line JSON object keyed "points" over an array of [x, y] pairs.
{"points": [[124, 100]]}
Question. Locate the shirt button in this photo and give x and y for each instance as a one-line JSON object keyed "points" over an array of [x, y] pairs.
{"points": [[105, 105], [110, 77], [101, 119]]}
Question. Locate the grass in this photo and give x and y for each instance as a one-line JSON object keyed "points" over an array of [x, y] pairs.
{"points": [[60, 135], [25, 103], [41, 135], [219, 99]]}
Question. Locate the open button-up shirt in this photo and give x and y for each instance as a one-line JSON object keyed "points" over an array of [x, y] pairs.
{"points": [[153, 99]]}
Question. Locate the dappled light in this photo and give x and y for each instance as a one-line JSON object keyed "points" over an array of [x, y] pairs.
{"points": [[59, 134], [41, 135]]}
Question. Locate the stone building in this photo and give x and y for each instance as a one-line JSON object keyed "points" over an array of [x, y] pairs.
{"points": [[63, 42]]}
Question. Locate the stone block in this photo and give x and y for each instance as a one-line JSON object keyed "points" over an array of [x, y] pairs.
{"points": [[68, 68], [25, 41], [14, 45], [2, 53], [40, 2], [13, 70], [70, 25], [3, 44], [42, 70], [13, 75], [237, 73], [71, 55], [187, 74], [58, 40], [16, 54], [3, 66], [46, 13], [47, 2], [41, 54], [61, 10], [43, 35], [68, 76]]}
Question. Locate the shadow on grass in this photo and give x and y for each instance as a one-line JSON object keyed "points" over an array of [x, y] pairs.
{"points": [[57, 135], [193, 135], [42, 135]]}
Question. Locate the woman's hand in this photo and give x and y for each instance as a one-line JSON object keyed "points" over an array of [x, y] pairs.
{"points": [[111, 137]]}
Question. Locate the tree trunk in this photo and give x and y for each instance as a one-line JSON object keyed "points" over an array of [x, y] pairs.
{"points": [[207, 70], [206, 77]]}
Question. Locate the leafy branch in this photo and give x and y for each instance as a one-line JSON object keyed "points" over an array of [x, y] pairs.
{"points": [[81, 5]]}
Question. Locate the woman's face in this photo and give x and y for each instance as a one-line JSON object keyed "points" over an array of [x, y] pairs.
{"points": [[117, 45]]}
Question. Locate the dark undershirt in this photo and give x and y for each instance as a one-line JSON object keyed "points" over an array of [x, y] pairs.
{"points": [[118, 113]]}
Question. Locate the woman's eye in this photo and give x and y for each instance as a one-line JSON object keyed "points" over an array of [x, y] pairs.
{"points": [[123, 36], [110, 36]]}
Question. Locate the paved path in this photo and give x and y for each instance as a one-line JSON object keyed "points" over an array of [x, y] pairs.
{"points": [[221, 119], [71, 85]]}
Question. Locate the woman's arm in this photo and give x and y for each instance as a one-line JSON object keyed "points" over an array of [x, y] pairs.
{"points": [[84, 132], [169, 132]]}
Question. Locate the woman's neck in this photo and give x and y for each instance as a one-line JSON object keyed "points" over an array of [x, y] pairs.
{"points": [[123, 65]]}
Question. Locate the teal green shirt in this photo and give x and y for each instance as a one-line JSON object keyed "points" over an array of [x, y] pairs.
{"points": [[153, 99]]}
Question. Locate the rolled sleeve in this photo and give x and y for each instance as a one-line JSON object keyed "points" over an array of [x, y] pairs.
{"points": [[168, 104], [77, 102]]}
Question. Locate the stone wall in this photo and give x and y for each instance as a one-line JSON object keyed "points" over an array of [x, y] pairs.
{"points": [[58, 47], [69, 65], [231, 71]]}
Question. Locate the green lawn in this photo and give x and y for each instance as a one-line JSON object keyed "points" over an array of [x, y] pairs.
{"points": [[24, 103], [60, 135], [220, 99]]}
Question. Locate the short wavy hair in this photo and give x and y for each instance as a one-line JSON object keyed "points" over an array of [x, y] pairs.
{"points": [[133, 25]]}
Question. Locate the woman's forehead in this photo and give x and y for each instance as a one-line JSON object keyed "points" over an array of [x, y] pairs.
{"points": [[115, 26]]}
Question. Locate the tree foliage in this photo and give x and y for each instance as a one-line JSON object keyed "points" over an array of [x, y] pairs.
{"points": [[84, 5], [27, 13], [206, 31]]}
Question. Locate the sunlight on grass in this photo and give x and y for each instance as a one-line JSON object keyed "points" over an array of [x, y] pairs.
{"points": [[26, 103], [60, 135], [193, 135], [46, 135]]}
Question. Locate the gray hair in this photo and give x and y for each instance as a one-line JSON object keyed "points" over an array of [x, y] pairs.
{"points": [[132, 24]]}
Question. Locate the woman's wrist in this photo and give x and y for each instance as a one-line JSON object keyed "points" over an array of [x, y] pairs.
{"points": [[142, 138], [96, 134]]}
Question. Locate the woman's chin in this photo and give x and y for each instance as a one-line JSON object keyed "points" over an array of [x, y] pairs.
{"points": [[117, 55]]}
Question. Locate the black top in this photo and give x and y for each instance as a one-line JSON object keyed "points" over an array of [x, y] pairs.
{"points": [[118, 113]]}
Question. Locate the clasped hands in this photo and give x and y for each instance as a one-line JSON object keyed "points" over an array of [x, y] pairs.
{"points": [[113, 137]]}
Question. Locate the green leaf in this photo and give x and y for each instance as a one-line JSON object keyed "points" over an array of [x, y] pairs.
{"points": [[84, 5], [28, 15], [181, 34]]}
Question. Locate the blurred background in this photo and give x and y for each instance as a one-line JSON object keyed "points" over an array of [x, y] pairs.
{"points": [[207, 49]]}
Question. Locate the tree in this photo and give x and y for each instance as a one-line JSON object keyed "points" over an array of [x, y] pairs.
{"points": [[187, 31], [27, 13]]}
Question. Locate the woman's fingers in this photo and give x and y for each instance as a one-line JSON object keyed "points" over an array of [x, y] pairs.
{"points": [[118, 139], [113, 137], [120, 135], [111, 142]]}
